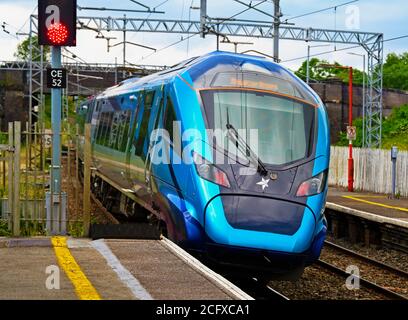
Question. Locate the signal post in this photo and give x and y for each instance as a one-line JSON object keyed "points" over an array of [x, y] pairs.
{"points": [[56, 28]]}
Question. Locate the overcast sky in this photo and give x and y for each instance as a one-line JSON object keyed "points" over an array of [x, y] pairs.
{"points": [[389, 17]]}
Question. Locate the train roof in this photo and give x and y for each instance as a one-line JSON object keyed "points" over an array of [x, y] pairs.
{"points": [[211, 69]]}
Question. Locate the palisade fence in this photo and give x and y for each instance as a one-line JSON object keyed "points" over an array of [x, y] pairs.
{"points": [[372, 170], [25, 175]]}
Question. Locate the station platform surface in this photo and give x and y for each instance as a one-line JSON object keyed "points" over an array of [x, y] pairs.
{"points": [[60, 268], [376, 204]]}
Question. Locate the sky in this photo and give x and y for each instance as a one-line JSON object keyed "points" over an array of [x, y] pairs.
{"points": [[390, 18]]}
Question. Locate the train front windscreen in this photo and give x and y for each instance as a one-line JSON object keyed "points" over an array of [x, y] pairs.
{"points": [[278, 128]]}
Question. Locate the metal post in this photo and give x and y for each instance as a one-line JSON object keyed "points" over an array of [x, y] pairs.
{"points": [[364, 99], [276, 24], [124, 46], [116, 70], [16, 182], [308, 65], [56, 124], [364, 95], [87, 180], [350, 159], [394, 153], [10, 166], [56, 199], [203, 17]]}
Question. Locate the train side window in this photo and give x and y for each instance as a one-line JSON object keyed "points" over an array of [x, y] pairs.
{"points": [[170, 119], [158, 114], [124, 124], [89, 111], [105, 124], [148, 102], [100, 128]]}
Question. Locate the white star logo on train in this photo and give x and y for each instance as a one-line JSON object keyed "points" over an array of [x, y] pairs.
{"points": [[264, 183]]}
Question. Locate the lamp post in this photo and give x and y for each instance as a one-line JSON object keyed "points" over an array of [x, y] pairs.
{"points": [[350, 168], [364, 91]]}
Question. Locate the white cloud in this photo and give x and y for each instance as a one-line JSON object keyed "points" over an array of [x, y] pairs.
{"points": [[15, 15]]}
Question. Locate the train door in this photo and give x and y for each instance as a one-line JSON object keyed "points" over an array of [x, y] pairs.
{"points": [[136, 98], [138, 150], [166, 147], [156, 117]]}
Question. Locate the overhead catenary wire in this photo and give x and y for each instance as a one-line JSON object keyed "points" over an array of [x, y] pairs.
{"points": [[321, 10], [342, 49], [197, 33]]}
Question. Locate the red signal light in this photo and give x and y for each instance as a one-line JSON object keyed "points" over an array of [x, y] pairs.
{"points": [[57, 33]]}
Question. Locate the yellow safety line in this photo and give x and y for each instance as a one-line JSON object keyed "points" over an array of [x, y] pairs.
{"points": [[83, 287], [377, 204], [374, 197]]}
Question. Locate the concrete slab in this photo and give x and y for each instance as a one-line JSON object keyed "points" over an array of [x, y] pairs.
{"points": [[378, 204], [102, 277], [23, 275], [164, 275], [160, 269]]}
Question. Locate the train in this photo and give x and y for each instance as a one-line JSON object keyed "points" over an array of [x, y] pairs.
{"points": [[227, 154]]}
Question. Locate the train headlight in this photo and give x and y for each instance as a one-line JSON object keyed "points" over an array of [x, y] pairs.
{"points": [[210, 172], [312, 186]]}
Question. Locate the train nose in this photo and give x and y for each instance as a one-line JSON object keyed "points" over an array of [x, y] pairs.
{"points": [[259, 222]]}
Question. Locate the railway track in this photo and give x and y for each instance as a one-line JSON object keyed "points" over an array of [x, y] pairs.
{"points": [[259, 290], [364, 258], [376, 267]]}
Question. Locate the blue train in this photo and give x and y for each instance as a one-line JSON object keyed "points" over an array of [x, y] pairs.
{"points": [[227, 153]]}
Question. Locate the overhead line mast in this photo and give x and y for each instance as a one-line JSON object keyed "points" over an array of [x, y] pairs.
{"points": [[276, 24]]}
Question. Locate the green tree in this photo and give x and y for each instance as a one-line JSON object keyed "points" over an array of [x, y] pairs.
{"points": [[395, 71], [319, 73], [23, 50]]}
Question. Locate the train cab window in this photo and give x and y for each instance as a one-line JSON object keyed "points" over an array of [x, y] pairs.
{"points": [[148, 102], [282, 127]]}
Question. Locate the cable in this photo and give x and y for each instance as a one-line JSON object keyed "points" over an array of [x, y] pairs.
{"points": [[76, 56], [342, 49], [148, 16], [321, 10], [243, 11], [159, 5], [27, 20], [194, 34], [189, 19]]}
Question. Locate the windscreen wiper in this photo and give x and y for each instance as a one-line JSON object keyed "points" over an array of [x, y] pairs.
{"points": [[233, 133]]}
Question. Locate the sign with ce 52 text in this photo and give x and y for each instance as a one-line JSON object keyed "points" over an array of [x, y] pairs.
{"points": [[56, 78]]}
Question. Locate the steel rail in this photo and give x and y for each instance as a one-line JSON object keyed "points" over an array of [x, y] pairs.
{"points": [[367, 259], [368, 284]]}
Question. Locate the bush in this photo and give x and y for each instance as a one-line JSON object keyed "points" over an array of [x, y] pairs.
{"points": [[394, 130]]}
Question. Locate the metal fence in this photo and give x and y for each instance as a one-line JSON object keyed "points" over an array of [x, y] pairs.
{"points": [[372, 170], [28, 204]]}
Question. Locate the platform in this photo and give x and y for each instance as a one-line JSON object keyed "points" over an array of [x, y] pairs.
{"points": [[106, 269], [376, 207]]}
